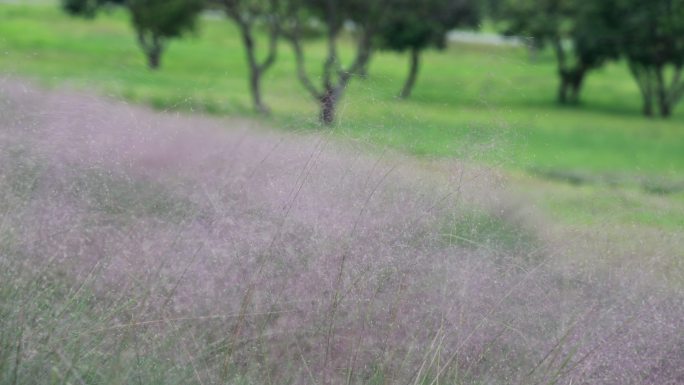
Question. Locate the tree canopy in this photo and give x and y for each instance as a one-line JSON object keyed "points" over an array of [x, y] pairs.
{"points": [[414, 26], [583, 35], [155, 21], [653, 44], [86, 8]]}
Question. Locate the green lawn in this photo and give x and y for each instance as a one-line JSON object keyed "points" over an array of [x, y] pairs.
{"points": [[489, 104]]}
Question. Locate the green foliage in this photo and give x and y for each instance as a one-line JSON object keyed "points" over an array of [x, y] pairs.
{"points": [[412, 24], [154, 21], [653, 40], [416, 25], [86, 8], [537, 19], [654, 31], [583, 34], [595, 35], [164, 18], [334, 13], [586, 34]]}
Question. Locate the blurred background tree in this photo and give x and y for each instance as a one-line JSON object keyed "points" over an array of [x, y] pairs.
{"points": [[365, 17], [84, 8], [157, 21], [583, 35], [417, 25], [653, 44], [154, 21], [247, 16]]}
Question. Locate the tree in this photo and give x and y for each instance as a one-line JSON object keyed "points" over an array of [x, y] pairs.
{"points": [[84, 8], [582, 33], [653, 43], [247, 15], [365, 16], [155, 21], [417, 25]]}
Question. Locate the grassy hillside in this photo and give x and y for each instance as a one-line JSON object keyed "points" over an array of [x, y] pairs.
{"points": [[139, 247], [153, 248], [491, 104], [468, 94]]}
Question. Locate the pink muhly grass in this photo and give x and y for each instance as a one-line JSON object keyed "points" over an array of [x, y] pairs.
{"points": [[136, 240]]}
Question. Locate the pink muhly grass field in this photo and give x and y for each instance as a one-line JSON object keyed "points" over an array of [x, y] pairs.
{"points": [[153, 248]]}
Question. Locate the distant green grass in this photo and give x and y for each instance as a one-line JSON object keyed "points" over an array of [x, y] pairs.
{"points": [[491, 103], [484, 103], [598, 205]]}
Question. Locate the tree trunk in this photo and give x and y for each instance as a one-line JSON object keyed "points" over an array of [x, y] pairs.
{"points": [[153, 47], [644, 79], [563, 90], [413, 74], [255, 88], [363, 72], [335, 78], [648, 106], [662, 93], [254, 72], [664, 105], [255, 68], [328, 104], [562, 72], [571, 82], [665, 109], [576, 86], [154, 58], [533, 52]]}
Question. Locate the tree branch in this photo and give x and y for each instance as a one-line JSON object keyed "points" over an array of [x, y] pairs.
{"points": [[273, 36], [295, 40], [560, 52], [363, 52], [332, 58], [677, 86], [641, 77]]}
